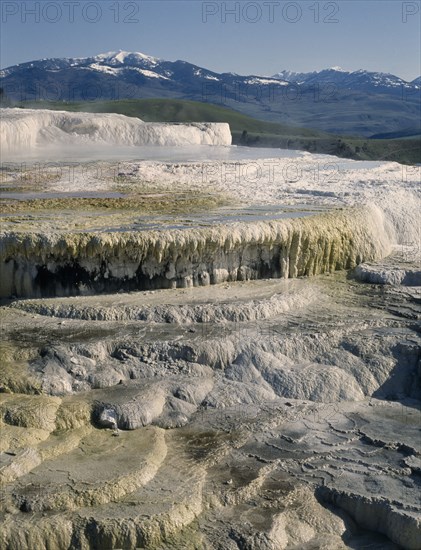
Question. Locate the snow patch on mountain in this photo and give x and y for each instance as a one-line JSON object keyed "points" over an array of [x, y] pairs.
{"points": [[257, 80], [147, 73], [103, 69], [122, 57]]}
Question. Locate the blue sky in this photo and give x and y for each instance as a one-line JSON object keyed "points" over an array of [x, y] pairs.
{"points": [[260, 37]]}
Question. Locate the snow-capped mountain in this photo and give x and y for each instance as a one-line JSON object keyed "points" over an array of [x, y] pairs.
{"points": [[353, 80], [117, 64], [118, 59], [333, 100]]}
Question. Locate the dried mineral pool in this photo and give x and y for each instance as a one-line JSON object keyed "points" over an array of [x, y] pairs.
{"points": [[203, 349]]}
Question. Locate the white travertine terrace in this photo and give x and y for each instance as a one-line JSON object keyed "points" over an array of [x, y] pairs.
{"points": [[26, 129]]}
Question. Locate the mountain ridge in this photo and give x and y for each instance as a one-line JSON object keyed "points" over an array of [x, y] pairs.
{"points": [[286, 75]]}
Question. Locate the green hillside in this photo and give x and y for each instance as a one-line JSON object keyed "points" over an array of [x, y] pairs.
{"points": [[177, 110]]}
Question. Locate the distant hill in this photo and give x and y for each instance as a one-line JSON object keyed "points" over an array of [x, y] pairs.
{"points": [[408, 133], [249, 131], [359, 103]]}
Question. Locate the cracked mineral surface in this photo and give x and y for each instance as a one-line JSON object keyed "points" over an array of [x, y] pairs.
{"points": [[286, 417]]}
